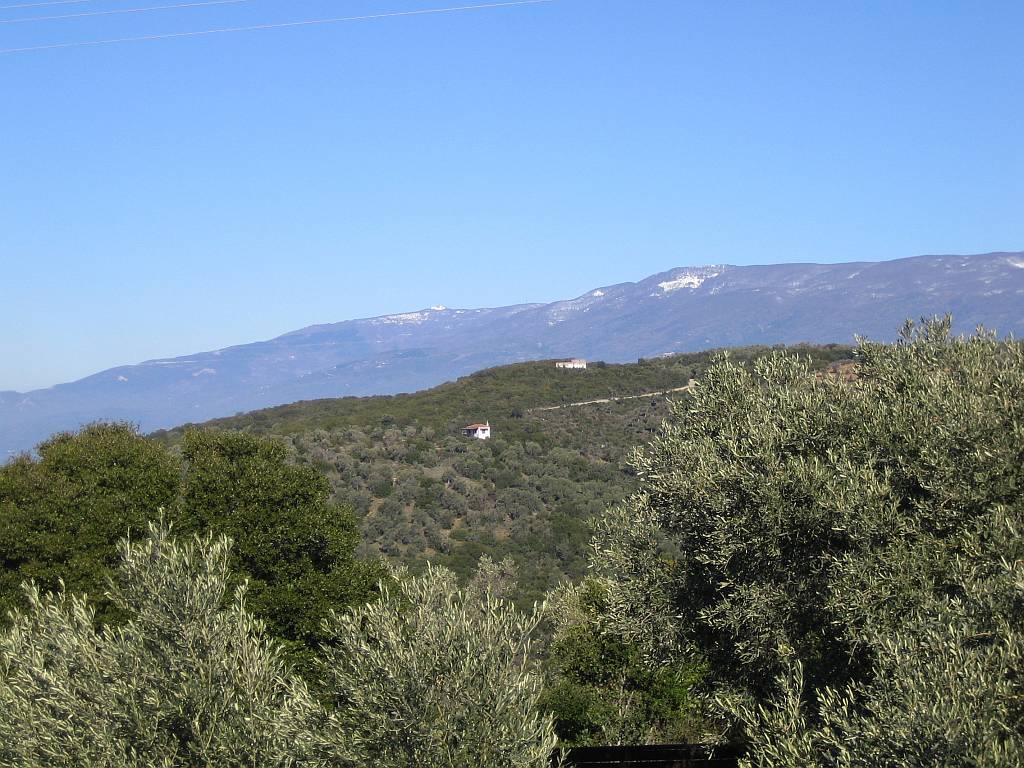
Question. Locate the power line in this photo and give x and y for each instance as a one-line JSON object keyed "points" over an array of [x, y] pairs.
{"points": [[40, 5], [282, 25], [122, 10]]}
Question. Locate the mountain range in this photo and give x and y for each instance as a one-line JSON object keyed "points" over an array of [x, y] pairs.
{"points": [[682, 309]]}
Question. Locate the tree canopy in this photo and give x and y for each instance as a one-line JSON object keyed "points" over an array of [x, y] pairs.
{"points": [[430, 675], [188, 679], [841, 554], [63, 514], [433, 675]]}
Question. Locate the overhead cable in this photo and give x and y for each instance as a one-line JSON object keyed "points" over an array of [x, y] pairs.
{"points": [[115, 11], [281, 25], [40, 5]]}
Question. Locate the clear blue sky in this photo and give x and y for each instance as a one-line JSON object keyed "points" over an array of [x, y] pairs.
{"points": [[166, 197]]}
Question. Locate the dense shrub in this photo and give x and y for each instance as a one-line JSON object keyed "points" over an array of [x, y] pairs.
{"points": [[376, 449]]}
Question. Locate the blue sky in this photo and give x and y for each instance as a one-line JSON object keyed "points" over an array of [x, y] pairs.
{"points": [[165, 197]]}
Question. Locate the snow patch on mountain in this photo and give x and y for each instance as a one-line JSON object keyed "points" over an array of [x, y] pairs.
{"points": [[689, 278], [412, 318], [405, 318], [686, 281]]}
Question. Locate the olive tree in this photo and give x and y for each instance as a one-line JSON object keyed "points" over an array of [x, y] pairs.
{"points": [[844, 555], [189, 679], [433, 677]]}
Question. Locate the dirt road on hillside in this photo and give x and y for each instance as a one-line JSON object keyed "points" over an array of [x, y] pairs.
{"points": [[612, 399]]}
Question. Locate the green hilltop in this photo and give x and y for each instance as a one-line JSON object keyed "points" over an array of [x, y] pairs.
{"points": [[423, 491]]}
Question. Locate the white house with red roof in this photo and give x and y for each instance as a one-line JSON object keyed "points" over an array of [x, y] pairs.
{"points": [[479, 431]]}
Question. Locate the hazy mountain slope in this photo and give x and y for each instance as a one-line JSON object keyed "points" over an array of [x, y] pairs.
{"points": [[689, 308]]}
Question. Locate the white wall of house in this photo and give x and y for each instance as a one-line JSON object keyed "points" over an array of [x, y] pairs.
{"points": [[576, 363]]}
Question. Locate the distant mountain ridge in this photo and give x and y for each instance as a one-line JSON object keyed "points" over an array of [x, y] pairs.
{"points": [[683, 309]]}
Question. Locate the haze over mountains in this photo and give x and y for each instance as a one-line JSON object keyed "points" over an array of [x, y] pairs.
{"points": [[683, 309]]}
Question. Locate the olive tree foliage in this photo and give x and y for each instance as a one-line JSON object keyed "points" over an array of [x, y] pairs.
{"points": [[433, 677], [845, 555], [495, 580], [185, 681]]}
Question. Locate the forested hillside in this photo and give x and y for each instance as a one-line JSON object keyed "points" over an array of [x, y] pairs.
{"points": [[425, 492]]}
